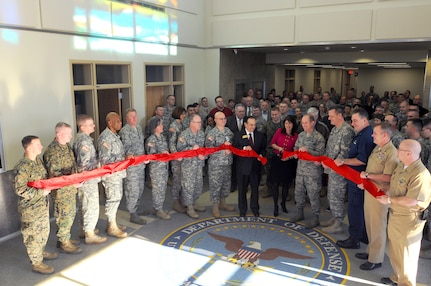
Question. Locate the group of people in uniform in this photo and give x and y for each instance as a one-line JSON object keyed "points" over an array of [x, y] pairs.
{"points": [[400, 174]]}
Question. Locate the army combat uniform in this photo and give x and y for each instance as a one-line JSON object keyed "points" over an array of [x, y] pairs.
{"points": [[88, 193], [174, 131], [133, 143], [158, 170], [191, 168], [219, 170], [338, 147], [111, 150]]}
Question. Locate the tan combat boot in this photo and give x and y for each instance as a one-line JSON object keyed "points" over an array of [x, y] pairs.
{"points": [[216, 211], [163, 215], [198, 207], [49, 255], [313, 222], [224, 206], [191, 212], [42, 268], [327, 222], [178, 206], [70, 248], [298, 216], [92, 238], [115, 231], [82, 233], [336, 227]]}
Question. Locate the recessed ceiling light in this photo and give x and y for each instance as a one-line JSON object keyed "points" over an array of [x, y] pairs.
{"points": [[302, 52], [285, 49], [362, 50], [327, 48], [353, 47]]}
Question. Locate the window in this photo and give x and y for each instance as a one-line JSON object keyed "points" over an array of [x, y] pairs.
{"points": [[99, 88], [162, 80]]}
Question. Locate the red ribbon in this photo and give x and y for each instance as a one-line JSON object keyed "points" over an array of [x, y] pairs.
{"points": [[59, 182], [62, 181], [343, 170]]}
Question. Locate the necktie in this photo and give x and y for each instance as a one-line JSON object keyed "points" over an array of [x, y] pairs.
{"points": [[239, 124], [250, 138]]}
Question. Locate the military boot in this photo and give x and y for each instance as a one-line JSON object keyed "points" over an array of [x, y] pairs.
{"points": [[298, 216], [73, 241], [327, 222], [82, 233], [49, 255], [336, 227], [191, 212], [70, 248], [163, 215], [224, 206], [216, 211], [178, 206], [42, 268], [313, 222], [115, 231], [198, 207], [135, 218], [92, 238]]}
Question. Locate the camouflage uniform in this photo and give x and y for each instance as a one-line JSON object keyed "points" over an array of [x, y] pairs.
{"points": [[260, 124], [60, 160], [308, 175], [88, 193], [111, 150], [191, 168], [133, 143], [174, 131], [167, 118], [158, 170], [33, 207], [186, 123], [219, 170], [338, 147], [397, 137]]}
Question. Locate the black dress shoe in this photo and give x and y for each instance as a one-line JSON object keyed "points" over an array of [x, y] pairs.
{"points": [[283, 207], [362, 255], [276, 210], [256, 214], [370, 266], [388, 281], [348, 243], [242, 215]]}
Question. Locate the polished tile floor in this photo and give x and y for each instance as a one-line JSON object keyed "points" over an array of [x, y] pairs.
{"points": [[141, 260]]}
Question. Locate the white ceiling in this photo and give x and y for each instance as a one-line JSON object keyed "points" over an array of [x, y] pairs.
{"points": [[350, 55]]}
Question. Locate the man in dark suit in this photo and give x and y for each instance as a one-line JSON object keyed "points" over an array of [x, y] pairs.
{"points": [[235, 124], [248, 168]]}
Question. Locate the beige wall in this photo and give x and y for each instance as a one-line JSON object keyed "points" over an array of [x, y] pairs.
{"points": [[255, 22]]}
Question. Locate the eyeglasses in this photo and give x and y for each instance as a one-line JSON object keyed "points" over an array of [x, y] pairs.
{"points": [[403, 150], [199, 122]]}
